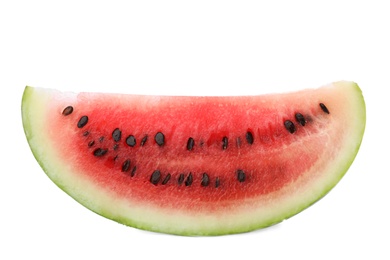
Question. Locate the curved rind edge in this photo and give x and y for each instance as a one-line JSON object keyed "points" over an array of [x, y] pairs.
{"points": [[347, 164]]}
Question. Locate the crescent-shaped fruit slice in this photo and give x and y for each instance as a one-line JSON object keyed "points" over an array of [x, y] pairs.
{"points": [[196, 165]]}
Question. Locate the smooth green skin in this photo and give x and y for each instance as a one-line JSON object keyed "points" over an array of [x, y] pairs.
{"points": [[29, 103]]}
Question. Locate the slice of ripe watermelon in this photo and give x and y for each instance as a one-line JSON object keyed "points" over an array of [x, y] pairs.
{"points": [[196, 165]]}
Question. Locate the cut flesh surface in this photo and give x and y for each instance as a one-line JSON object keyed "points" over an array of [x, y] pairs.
{"points": [[196, 165]]}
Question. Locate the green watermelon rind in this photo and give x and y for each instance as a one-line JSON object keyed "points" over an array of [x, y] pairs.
{"points": [[100, 203]]}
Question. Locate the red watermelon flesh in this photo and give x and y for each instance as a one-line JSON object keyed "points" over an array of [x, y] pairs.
{"points": [[196, 165]]}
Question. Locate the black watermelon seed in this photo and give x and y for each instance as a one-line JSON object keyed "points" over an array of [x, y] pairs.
{"points": [[300, 118], [67, 111], [189, 180], [180, 179], [116, 157], [324, 108], [217, 182], [240, 175], [289, 126], [133, 171], [126, 165], [82, 122], [130, 140], [155, 177], [144, 139], [224, 143], [98, 152], [190, 143], [86, 133], [249, 137], [115, 147], [91, 143], [166, 179], [159, 138], [116, 135], [205, 180], [101, 139]]}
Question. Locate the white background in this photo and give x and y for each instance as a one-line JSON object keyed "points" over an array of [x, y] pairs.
{"points": [[193, 47]]}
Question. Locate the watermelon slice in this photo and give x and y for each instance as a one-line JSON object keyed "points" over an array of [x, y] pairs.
{"points": [[196, 165]]}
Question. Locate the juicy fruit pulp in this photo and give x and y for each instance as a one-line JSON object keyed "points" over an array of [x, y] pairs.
{"points": [[196, 165]]}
